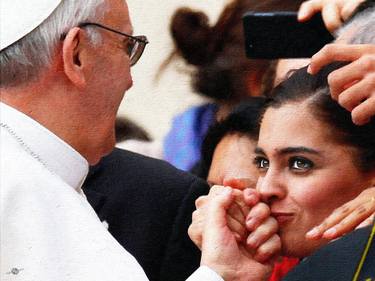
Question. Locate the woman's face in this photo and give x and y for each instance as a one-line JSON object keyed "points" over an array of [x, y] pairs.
{"points": [[233, 159], [303, 173]]}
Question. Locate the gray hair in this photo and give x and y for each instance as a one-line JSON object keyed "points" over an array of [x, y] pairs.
{"points": [[362, 28], [23, 60]]}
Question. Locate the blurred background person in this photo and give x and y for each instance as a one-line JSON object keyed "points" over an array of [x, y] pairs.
{"points": [[229, 145], [220, 72]]}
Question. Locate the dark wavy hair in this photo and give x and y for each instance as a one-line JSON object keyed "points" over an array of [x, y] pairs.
{"points": [[217, 51], [243, 120], [301, 87]]}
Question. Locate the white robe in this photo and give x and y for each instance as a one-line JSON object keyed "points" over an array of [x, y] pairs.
{"points": [[48, 231]]}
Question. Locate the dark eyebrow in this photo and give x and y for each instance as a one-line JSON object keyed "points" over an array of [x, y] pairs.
{"points": [[259, 150], [289, 150], [298, 149]]}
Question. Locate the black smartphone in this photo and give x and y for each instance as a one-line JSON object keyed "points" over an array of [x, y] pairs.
{"points": [[275, 35]]}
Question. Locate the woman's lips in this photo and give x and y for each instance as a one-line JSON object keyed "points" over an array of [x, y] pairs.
{"points": [[282, 218]]}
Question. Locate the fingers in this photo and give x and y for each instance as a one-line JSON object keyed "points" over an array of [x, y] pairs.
{"points": [[348, 75], [239, 230], [270, 249], [341, 79], [331, 16], [240, 183], [251, 197], [261, 234], [363, 112], [356, 94], [308, 9], [331, 12], [236, 215], [349, 8], [235, 212], [338, 52], [367, 222], [201, 201], [353, 85], [334, 12], [257, 215], [217, 210], [338, 215], [196, 228], [350, 222], [263, 241], [347, 217]]}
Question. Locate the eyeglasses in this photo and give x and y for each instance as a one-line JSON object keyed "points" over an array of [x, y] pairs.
{"points": [[135, 44]]}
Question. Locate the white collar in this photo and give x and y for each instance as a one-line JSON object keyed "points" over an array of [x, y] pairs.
{"points": [[59, 157]]}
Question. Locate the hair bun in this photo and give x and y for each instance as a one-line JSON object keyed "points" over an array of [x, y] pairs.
{"points": [[191, 35]]}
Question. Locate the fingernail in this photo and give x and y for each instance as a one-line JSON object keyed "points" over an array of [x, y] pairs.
{"points": [[313, 233], [309, 70], [252, 242], [330, 233], [250, 223], [252, 198]]}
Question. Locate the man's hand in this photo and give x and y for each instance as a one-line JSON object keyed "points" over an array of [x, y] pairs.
{"points": [[263, 242], [358, 212], [334, 12], [236, 216], [220, 250], [353, 85]]}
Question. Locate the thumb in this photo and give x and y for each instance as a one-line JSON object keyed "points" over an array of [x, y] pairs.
{"points": [[217, 209]]}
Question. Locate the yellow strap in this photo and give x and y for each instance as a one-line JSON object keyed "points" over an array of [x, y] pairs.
{"points": [[364, 255]]}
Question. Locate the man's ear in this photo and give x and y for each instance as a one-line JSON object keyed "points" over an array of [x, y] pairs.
{"points": [[71, 58]]}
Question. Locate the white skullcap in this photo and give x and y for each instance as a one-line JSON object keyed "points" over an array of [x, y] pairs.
{"points": [[19, 17]]}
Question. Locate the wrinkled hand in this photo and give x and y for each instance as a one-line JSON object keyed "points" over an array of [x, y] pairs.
{"points": [[236, 215], [358, 212], [353, 85], [263, 242], [220, 250], [263, 239], [334, 12]]}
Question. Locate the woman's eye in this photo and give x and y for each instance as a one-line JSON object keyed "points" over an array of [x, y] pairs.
{"points": [[261, 163], [300, 164]]}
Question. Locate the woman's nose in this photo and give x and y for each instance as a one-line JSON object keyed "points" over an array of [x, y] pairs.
{"points": [[271, 187]]}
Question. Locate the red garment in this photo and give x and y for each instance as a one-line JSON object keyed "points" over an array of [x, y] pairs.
{"points": [[282, 268]]}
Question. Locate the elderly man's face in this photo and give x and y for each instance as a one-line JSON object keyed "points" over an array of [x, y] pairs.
{"points": [[109, 75]]}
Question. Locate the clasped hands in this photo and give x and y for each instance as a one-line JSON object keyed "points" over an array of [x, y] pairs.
{"points": [[235, 232]]}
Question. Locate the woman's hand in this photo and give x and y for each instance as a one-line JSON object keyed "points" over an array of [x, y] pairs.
{"points": [[356, 213], [334, 12]]}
